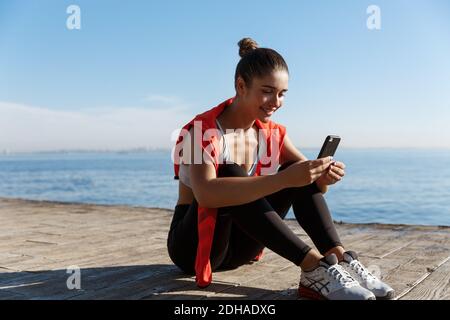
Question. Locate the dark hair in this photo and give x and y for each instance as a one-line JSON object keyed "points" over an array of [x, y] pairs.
{"points": [[257, 62]]}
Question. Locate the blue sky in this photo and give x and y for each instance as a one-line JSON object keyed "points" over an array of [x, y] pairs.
{"points": [[136, 72]]}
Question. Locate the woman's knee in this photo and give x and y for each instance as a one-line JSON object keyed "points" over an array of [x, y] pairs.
{"points": [[307, 190]]}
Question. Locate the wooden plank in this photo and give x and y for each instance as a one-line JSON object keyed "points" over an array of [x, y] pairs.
{"points": [[247, 272], [405, 268], [47, 285], [436, 286], [406, 274], [278, 285], [120, 250], [184, 289], [51, 284], [160, 279], [8, 295]]}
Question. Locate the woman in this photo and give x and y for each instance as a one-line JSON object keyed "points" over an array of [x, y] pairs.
{"points": [[232, 202]]}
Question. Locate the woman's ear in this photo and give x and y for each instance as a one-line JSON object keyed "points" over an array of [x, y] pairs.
{"points": [[241, 88]]}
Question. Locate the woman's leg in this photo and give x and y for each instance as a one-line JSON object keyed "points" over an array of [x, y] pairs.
{"points": [[258, 224], [241, 231], [182, 240], [230, 241], [312, 213], [183, 227]]}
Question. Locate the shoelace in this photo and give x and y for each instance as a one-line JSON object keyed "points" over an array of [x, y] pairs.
{"points": [[361, 270], [341, 275]]}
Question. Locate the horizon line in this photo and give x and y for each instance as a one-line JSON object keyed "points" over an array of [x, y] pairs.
{"points": [[153, 149]]}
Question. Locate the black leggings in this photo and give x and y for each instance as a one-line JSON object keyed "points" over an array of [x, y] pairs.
{"points": [[242, 231]]}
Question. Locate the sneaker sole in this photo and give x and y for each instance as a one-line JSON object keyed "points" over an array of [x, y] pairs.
{"points": [[390, 296], [308, 293], [311, 294]]}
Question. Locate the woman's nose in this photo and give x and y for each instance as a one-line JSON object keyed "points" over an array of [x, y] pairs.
{"points": [[277, 101]]}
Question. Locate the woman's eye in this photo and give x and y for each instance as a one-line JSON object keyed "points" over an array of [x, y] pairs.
{"points": [[281, 95]]}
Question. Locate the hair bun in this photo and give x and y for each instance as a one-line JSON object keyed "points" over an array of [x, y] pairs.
{"points": [[246, 45]]}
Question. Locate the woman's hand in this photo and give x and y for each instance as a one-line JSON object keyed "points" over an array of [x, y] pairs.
{"points": [[332, 175], [302, 173]]}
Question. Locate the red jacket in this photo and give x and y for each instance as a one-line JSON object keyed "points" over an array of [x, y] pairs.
{"points": [[274, 137]]}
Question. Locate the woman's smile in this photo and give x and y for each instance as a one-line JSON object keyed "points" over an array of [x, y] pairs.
{"points": [[268, 111]]}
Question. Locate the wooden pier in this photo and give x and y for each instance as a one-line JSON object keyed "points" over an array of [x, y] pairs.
{"points": [[121, 254]]}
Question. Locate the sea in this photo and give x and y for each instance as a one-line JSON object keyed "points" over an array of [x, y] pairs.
{"points": [[398, 186]]}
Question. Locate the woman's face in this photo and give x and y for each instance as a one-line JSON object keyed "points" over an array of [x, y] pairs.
{"points": [[266, 94]]}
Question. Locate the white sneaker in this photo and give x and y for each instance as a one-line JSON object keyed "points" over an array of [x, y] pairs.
{"points": [[330, 281], [367, 280]]}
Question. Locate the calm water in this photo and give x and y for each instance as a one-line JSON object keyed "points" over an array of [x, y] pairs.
{"points": [[387, 186]]}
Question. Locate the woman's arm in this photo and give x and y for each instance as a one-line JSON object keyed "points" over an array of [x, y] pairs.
{"points": [[211, 191]]}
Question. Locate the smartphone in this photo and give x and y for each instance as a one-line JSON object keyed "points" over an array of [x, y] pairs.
{"points": [[329, 146]]}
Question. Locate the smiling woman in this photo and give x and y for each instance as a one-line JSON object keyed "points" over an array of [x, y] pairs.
{"points": [[267, 72], [231, 206]]}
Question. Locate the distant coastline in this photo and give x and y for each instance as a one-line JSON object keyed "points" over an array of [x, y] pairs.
{"points": [[161, 149], [63, 151]]}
